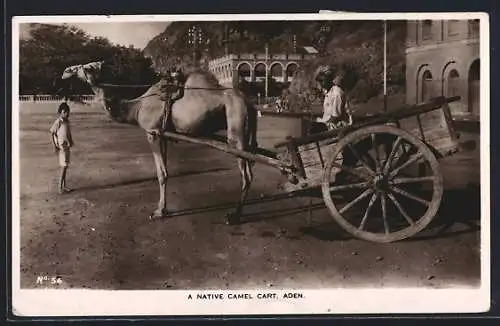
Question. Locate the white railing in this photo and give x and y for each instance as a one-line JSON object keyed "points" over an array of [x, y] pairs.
{"points": [[55, 98]]}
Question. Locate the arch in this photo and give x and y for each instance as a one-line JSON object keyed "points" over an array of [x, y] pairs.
{"points": [[418, 81], [445, 77], [277, 69], [244, 69], [291, 68], [473, 86], [453, 86], [426, 86], [474, 71], [242, 64], [260, 70]]}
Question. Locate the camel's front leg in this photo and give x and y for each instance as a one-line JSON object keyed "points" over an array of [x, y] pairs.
{"points": [[159, 149]]}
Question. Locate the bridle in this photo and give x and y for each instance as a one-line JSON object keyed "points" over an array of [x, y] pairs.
{"points": [[156, 93]]}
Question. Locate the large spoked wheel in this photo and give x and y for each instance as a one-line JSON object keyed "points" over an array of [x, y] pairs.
{"points": [[382, 184]]}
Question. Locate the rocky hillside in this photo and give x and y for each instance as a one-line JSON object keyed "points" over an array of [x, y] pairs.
{"points": [[356, 43]]}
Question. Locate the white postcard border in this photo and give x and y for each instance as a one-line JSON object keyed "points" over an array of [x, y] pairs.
{"points": [[329, 301]]}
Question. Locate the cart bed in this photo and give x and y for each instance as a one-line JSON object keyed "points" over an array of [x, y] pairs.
{"points": [[431, 122]]}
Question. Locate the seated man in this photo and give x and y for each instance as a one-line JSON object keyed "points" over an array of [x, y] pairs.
{"points": [[335, 114]]}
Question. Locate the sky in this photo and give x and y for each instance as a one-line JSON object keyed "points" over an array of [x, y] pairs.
{"points": [[137, 34], [125, 33]]}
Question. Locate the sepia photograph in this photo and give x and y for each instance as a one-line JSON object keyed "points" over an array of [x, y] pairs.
{"points": [[250, 164]]}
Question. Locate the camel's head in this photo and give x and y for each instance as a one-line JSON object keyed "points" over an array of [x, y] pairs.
{"points": [[88, 73]]}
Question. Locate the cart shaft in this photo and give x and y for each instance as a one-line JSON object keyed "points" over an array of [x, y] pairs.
{"points": [[255, 157]]}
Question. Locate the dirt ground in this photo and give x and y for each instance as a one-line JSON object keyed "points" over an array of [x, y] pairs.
{"points": [[99, 237]]}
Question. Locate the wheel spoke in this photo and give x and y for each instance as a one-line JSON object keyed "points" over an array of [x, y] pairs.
{"points": [[377, 156], [407, 163], [384, 213], [350, 171], [359, 158], [413, 180], [367, 192], [408, 195], [365, 217], [350, 186], [391, 155], [404, 156], [401, 210]]}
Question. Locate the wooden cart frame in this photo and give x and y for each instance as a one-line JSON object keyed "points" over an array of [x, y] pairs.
{"points": [[389, 161]]}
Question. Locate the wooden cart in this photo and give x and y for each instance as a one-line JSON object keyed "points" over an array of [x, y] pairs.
{"points": [[380, 177]]}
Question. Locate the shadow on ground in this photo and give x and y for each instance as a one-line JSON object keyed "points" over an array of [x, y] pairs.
{"points": [[451, 220], [444, 225], [146, 180]]}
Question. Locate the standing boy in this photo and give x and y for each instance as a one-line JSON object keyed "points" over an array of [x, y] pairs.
{"points": [[60, 134]]}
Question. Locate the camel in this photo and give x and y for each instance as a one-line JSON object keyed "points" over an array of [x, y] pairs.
{"points": [[205, 109]]}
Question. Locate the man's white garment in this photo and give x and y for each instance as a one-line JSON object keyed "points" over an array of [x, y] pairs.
{"points": [[334, 104]]}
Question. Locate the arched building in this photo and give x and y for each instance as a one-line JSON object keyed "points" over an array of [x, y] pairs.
{"points": [[442, 58], [253, 66]]}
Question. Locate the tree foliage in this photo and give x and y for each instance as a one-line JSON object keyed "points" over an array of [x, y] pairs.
{"points": [[356, 44], [360, 54], [51, 48]]}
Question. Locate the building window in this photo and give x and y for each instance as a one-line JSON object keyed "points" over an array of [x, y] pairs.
{"points": [[291, 69], [453, 27], [426, 89], [453, 84], [244, 70], [416, 32], [260, 71], [473, 28], [427, 30], [474, 90], [277, 70]]}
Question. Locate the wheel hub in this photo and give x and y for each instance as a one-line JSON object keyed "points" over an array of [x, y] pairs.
{"points": [[380, 182]]}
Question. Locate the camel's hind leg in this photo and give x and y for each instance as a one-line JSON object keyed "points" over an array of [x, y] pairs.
{"points": [[159, 149], [246, 180], [237, 140]]}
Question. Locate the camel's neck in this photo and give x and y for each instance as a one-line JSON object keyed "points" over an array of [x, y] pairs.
{"points": [[116, 109], [99, 93]]}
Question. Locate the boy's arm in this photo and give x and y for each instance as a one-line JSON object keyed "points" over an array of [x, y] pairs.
{"points": [[53, 135], [69, 135], [53, 138], [70, 138]]}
